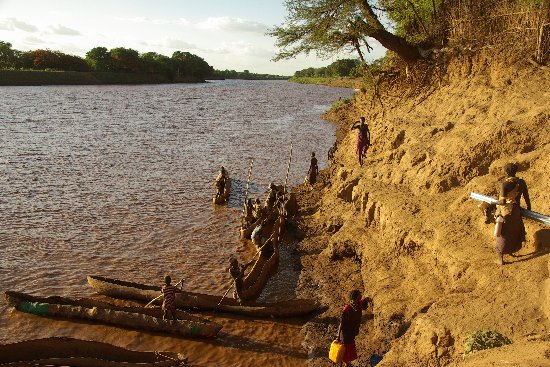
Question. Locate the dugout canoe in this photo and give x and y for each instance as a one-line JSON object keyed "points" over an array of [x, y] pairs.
{"points": [[265, 266], [81, 353], [140, 318], [225, 196], [192, 300]]}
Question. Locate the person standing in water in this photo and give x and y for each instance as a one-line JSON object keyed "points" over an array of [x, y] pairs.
{"points": [[363, 138]]}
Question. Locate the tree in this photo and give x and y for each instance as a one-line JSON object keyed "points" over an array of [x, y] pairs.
{"points": [[125, 60], [342, 67], [187, 64], [7, 55], [99, 59], [332, 26]]}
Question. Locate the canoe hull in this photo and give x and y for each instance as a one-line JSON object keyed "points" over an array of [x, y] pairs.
{"points": [[82, 353], [129, 317], [191, 300]]}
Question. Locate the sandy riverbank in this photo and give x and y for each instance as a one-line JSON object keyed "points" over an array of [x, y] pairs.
{"points": [[402, 228]]}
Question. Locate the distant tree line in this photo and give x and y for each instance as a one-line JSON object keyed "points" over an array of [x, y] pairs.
{"points": [[339, 68], [232, 74], [119, 59]]}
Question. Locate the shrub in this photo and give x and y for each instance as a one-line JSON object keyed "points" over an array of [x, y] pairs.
{"points": [[484, 339]]}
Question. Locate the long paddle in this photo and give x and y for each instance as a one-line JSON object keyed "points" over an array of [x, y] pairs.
{"points": [[154, 299]]}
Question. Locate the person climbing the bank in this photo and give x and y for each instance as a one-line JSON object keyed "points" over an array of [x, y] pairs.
{"points": [[220, 181], [313, 170], [169, 295], [510, 170], [350, 321], [363, 138], [509, 227]]}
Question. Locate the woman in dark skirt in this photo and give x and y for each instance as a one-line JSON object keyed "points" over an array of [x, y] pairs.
{"points": [[510, 230], [350, 321]]}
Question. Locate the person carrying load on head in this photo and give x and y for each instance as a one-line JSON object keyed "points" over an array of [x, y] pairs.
{"points": [[313, 170], [363, 138], [510, 170], [169, 295], [509, 227], [220, 181]]}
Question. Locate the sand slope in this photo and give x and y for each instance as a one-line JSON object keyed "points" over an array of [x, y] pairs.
{"points": [[403, 229]]}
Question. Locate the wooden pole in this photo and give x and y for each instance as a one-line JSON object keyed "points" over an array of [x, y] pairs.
{"points": [[248, 180], [288, 169]]}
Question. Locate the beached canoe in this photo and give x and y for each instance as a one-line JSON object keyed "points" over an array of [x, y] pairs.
{"points": [[222, 199], [191, 300], [141, 318], [81, 353]]}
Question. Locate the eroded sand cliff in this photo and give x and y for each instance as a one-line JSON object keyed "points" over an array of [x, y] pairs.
{"points": [[403, 229]]}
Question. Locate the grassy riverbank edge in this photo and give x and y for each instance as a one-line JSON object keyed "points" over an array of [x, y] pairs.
{"points": [[40, 77]]}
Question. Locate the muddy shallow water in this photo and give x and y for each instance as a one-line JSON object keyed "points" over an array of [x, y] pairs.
{"points": [[117, 181]]}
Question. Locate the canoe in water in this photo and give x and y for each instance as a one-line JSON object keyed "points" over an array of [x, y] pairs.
{"points": [[81, 353], [141, 318], [225, 196], [192, 300], [264, 267]]}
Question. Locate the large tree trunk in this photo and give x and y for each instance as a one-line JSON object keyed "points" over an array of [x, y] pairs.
{"points": [[397, 44], [394, 43]]}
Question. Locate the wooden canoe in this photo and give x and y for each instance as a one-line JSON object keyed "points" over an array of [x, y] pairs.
{"points": [[141, 318], [255, 281], [225, 196], [81, 353], [192, 300]]}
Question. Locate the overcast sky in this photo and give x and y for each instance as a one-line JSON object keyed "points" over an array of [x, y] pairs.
{"points": [[228, 34]]}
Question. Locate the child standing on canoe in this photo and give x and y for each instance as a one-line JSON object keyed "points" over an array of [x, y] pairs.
{"points": [[169, 296]]}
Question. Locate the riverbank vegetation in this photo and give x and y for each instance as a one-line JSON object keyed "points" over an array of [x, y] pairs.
{"points": [[103, 66]]}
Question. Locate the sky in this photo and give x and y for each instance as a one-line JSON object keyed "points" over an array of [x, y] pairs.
{"points": [[228, 34]]}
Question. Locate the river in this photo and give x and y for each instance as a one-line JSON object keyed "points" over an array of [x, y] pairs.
{"points": [[117, 181]]}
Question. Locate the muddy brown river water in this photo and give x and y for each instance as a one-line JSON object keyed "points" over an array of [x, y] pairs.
{"points": [[117, 181]]}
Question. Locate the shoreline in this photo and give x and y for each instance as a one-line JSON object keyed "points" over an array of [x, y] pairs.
{"points": [[25, 78]]}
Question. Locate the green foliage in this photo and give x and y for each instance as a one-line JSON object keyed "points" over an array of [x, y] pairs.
{"points": [[484, 339], [343, 103], [339, 68], [7, 55], [413, 19], [99, 59], [124, 60], [246, 74], [187, 64]]}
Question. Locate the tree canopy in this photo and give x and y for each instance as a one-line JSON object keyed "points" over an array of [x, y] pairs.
{"points": [[328, 27]]}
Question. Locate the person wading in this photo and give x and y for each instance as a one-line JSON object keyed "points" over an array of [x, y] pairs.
{"points": [[313, 170], [220, 181], [363, 138], [350, 321]]}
